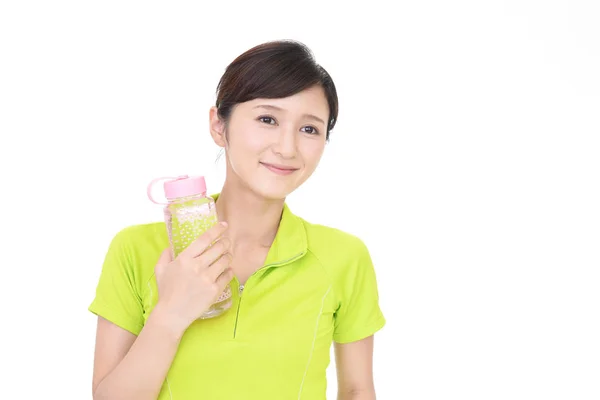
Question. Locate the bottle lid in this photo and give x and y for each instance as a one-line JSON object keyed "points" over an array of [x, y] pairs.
{"points": [[181, 186], [184, 186]]}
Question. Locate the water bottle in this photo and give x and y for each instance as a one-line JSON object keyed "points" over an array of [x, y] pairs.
{"points": [[188, 213]]}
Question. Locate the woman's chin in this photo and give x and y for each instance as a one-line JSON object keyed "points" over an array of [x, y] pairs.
{"points": [[272, 190]]}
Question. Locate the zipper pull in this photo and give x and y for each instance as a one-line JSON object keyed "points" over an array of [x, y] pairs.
{"points": [[241, 289]]}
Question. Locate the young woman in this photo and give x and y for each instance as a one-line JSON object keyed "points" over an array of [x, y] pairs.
{"points": [[297, 286]]}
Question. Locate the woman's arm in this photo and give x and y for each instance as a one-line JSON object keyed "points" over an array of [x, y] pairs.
{"points": [[354, 366], [130, 367]]}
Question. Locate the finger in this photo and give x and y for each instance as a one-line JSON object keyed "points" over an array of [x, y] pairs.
{"points": [[165, 258], [224, 278], [198, 246], [213, 253], [217, 268]]}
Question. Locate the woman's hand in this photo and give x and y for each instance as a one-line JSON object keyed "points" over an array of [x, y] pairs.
{"points": [[190, 284]]}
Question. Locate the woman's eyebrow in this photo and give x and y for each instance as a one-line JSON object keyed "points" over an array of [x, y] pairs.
{"points": [[276, 108]]}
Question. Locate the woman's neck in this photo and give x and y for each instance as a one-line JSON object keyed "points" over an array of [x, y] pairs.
{"points": [[252, 220]]}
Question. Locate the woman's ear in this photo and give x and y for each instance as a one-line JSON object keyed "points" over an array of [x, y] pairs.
{"points": [[217, 128]]}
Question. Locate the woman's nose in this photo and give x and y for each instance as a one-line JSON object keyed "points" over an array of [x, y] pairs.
{"points": [[285, 145]]}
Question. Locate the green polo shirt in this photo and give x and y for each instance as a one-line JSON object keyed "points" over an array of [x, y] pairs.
{"points": [[318, 285]]}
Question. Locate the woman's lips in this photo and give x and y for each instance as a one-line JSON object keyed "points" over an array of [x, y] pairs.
{"points": [[279, 169]]}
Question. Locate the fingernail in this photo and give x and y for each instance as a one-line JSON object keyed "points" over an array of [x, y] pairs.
{"points": [[224, 224]]}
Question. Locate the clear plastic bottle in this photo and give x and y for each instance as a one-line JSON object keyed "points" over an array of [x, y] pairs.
{"points": [[188, 213]]}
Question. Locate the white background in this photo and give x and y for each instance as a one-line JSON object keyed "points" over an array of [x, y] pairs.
{"points": [[466, 157]]}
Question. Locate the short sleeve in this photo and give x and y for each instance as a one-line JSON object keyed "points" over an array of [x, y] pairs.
{"points": [[359, 314], [117, 298]]}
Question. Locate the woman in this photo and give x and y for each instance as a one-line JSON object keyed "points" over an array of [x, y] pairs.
{"points": [[297, 286]]}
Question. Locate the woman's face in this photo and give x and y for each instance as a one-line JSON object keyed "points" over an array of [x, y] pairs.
{"points": [[274, 145]]}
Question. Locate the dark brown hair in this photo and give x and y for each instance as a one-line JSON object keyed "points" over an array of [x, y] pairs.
{"points": [[274, 69]]}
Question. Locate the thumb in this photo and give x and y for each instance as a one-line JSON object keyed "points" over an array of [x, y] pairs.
{"points": [[165, 258]]}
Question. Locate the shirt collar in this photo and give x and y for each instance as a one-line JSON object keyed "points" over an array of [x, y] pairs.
{"points": [[290, 240]]}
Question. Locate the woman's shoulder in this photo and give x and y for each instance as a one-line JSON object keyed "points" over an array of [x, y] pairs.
{"points": [[138, 246], [346, 259], [334, 244]]}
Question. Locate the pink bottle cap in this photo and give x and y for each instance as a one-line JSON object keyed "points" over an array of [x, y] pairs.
{"points": [[181, 186]]}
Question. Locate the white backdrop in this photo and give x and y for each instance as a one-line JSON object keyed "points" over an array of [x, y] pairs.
{"points": [[468, 139]]}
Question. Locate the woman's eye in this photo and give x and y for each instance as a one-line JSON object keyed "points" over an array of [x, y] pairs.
{"points": [[311, 130], [266, 120]]}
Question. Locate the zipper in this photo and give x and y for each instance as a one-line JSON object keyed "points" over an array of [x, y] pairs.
{"points": [[237, 314], [242, 287]]}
